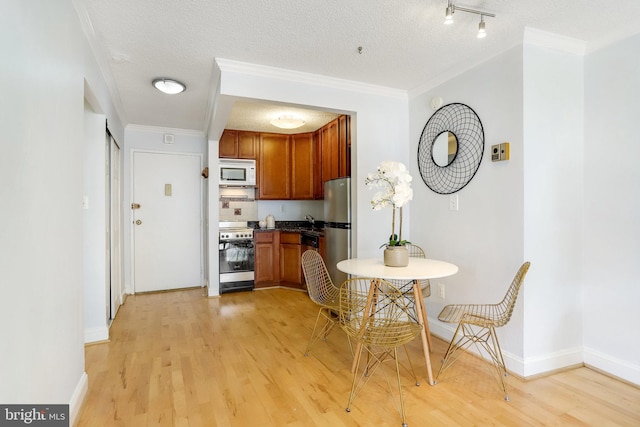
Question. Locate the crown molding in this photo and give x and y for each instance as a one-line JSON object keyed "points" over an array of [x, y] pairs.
{"points": [[227, 65], [554, 41], [159, 129], [103, 66]]}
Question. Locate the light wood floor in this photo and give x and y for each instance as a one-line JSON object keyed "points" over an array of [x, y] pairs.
{"points": [[180, 359]]}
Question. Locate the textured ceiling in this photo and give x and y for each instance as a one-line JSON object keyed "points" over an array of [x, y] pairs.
{"points": [[404, 43]]}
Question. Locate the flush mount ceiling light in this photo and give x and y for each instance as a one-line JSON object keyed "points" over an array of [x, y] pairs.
{"points": [[169, 86], [452, 8], [287, 122]]}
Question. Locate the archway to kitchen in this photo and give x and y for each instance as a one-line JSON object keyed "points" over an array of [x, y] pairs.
{"points": [[379, 131]]}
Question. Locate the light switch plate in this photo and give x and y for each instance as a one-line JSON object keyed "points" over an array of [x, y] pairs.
{"points": [[453, 202]]}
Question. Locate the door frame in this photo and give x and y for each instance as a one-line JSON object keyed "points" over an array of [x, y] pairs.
{"points": [[115, 265], [132, 153]]}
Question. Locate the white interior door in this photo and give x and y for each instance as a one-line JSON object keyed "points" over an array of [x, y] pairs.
{"points": [[167, 224]]}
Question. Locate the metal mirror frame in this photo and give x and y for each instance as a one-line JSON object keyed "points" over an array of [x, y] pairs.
{"points": [[464, 123]]}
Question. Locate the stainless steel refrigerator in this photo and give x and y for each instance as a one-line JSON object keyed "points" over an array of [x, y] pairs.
{"points": [[337, 225]]}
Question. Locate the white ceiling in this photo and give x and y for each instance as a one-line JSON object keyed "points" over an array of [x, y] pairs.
{"points": [[405, 44]]}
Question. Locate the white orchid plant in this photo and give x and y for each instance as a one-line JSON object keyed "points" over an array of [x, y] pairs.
{"points": [[393, 182]]}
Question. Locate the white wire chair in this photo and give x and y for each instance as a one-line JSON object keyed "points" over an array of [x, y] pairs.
{"points": [[477, 325]]}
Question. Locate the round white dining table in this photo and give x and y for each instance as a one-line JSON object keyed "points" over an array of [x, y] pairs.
{"points": [[418, 269]]}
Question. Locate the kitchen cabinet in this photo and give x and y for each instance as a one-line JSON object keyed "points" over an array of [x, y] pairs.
{"points": [[344, 146], [334, 152], [267, 263], [302, 163], [290, 268], [293, 167], [329, 144], [237, 144], [274, 167]]}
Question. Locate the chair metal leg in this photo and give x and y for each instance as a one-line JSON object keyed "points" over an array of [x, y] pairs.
{"points": [[484, 338], [323, 332]]}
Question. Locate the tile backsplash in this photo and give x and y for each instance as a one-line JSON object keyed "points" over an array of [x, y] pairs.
{"points": [[238, 210], [238, 204]]}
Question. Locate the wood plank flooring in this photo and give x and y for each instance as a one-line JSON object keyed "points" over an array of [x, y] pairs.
{"points": [[181, 359]]}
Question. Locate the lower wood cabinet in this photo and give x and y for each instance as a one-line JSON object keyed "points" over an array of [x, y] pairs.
{"points": [[277, 259], [266, 250], [290, 270]]}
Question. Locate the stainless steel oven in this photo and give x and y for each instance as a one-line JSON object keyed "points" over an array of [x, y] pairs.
{"points": [[236, 256]]}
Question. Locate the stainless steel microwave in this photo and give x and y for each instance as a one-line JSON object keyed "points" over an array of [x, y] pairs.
{"points": [[237, 172]]}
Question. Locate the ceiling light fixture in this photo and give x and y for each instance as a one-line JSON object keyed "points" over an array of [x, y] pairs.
{"points": [[287, 122], [169, 86], [448, 19], [482, 33], [452, 8]]}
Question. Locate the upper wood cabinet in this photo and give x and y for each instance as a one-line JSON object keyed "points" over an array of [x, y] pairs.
{"points": [[344, 146], [238, 144], [330, 155], [334, 152], [302, 163], [274, 171], [293, 167]]}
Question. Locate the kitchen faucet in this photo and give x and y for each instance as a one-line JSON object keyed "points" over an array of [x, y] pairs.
{"points": [[309, 218]]}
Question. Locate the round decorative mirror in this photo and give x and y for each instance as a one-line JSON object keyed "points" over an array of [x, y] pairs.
{"points": [[445, 148], [450, 148]]}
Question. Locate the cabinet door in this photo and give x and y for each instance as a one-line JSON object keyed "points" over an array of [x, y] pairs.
{"points": [[318, 184], [228, 146], [263, 263], [274, 153], [247, 145], [344, 146], [330, 151], [302, 164], [290, 270], [265, 251]]}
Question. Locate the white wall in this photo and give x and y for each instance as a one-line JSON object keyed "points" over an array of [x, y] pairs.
{"points": [[379, 129], [611, 231], [94, 220], [553, 207], [41, 260], [146, 138], [567, 201], [485, 236]]}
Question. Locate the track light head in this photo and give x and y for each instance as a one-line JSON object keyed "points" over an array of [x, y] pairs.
{"points": [[482, 33], [449, 15]]}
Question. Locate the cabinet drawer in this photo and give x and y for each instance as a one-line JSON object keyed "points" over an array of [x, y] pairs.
{"points": [[289, 237], [263, 237]]}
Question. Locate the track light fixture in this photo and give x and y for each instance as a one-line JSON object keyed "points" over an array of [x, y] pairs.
{"points": [[452, 8], [482, 33]]}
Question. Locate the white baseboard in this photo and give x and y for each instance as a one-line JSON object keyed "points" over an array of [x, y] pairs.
{"points": [[527, 367], [618, 368], [77, 398], [96, 334], [550, 362]]}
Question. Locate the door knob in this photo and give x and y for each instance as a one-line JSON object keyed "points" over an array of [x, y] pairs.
{"points": [[138, 222]]}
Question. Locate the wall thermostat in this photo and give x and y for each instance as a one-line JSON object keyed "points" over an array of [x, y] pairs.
{"points": [[500, 152]]}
